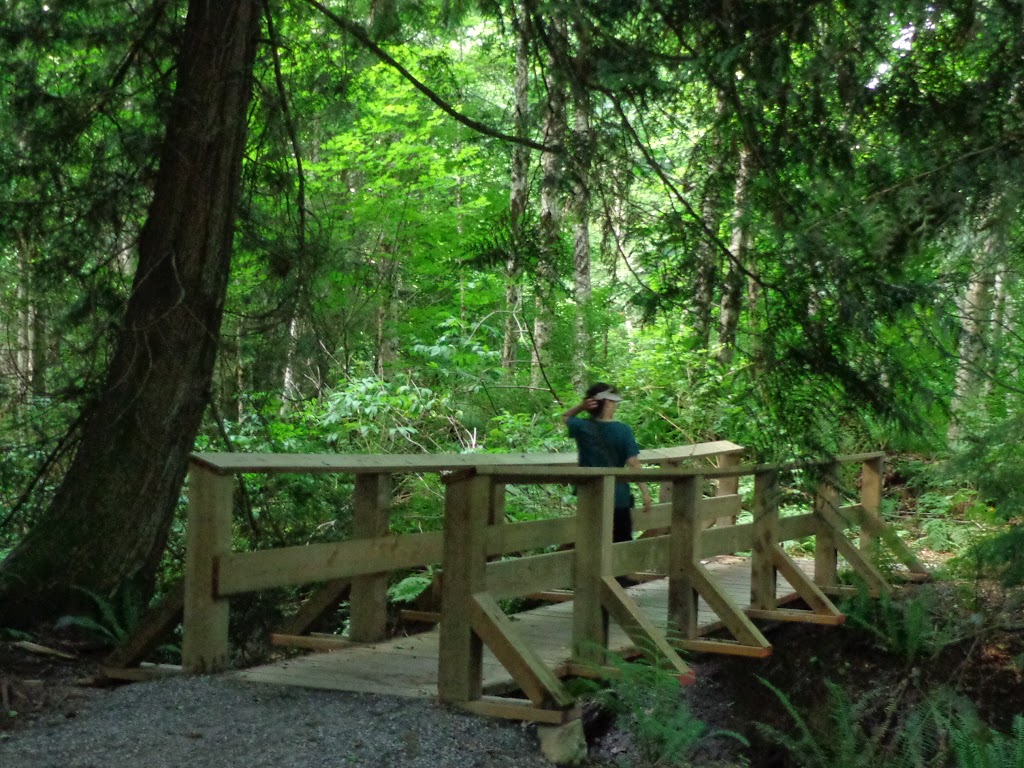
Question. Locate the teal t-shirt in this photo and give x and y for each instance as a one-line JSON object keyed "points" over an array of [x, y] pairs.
{"points": [[605, 444]]}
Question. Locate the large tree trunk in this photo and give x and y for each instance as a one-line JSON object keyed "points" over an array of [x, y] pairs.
{"points": [[739, 244], [109, 520], [520, 183], [550, 205], [581, 164], [975, 328]]}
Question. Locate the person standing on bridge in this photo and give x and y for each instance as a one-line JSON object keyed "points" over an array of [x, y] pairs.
{"points": [[604, 442]]}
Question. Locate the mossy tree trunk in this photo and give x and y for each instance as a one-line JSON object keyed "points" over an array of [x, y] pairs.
{"points": [[109, 520]]}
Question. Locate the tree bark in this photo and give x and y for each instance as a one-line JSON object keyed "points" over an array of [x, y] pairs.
{"points": [[519, 183], [739, 244], [581, 165], [550, 205], [109, 520]]}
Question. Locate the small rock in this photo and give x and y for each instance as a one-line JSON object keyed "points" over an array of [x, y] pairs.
{"points": [[563, 744]]}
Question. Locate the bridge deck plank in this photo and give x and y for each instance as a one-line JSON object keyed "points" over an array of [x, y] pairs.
{"points": [[407, 666]]}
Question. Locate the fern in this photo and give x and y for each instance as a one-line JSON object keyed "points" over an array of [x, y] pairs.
{"points": [[977, 746], [845, 745]]}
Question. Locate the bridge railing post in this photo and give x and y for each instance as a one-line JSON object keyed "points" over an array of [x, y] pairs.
{"points": [[826, 554], [593, 560], [204, 643], [368, 616], [871, 500], [464, 561], [684, 551], [765, 538], [728, 486]]}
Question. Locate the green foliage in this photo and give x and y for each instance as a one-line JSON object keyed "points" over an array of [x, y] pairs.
{"points": [[981, 747], [999, 555], [410, 587], [648, 702], [992, 459], [913, 628], [942, 730]]}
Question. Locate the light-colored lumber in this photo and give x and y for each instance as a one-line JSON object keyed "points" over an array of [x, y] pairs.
{"points": [[802, 617], [460, 653], [871, 475], [532, 534], [551, 595], [729, 486], [887, 534], [371, 519], [861, 565], [517, 709], [241, 572], [593, 561], [204, 646], [312, 642], [765, 534], [142, 673], [154, 626], [640, 629], [723, 647], [426, 617], [684, 541], [325, 598], [643, 554], [316, 463], [816, 600], [723, 606], [526, 667], [513, 578], [825, 552]]}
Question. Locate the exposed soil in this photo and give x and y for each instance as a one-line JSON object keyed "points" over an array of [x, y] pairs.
{"points": [[985, 664]]}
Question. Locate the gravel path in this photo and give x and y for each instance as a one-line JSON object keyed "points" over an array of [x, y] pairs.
{"points": [[209, 722]]}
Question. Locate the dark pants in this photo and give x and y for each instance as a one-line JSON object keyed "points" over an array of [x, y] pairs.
{"points": [[622, 524]]}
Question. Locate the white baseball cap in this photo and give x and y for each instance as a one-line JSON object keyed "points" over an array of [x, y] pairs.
{"points": [[608, 394]]}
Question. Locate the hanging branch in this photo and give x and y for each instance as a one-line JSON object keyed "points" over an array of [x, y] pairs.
{"points": [[289, 125], [359, 34]]}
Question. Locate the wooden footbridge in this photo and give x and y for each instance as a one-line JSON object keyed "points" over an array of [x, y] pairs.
{"points": [[695, 593]]}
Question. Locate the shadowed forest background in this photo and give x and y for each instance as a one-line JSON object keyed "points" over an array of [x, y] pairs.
{"points": [[406, 227]]}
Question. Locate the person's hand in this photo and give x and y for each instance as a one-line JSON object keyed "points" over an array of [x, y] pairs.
{"points": [[589, 404], [647, 500]]}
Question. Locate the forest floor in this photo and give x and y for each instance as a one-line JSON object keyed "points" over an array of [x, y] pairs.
{"points": [[978, 652]]}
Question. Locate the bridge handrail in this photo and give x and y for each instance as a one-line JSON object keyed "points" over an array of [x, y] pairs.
{"points": [[402, 463]]}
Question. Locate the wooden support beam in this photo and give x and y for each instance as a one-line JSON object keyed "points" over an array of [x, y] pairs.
{"points": [[728, 485], [326, 598], [142, 673], [871, 475], [204, 644], [684, 543], [887, 534], [593, 561], [241, 572], [802, 617], [312, 642], [647, 637], [371, 519], [733, 618], [725, 647], [513, 578], [517, 709], [460, 653], [765, 537], [834, 525], [809, 592], [154, 626], [425, 617], [526, 667], [825, 552]]}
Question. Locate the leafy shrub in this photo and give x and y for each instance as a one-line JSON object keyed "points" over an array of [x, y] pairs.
{"points": [[913, 628], [647, 702]]}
